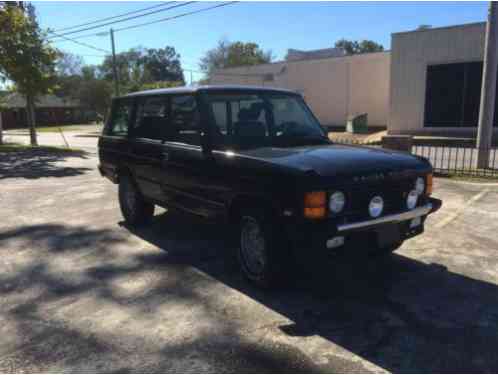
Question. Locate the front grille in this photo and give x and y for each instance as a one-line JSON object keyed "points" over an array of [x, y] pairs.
{"points": [[393, 193]]}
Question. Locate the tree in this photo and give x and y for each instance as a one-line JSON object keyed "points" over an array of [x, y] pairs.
{"points": [[163, 64], [139, 66], [228, 55], [68, 64], [424, 27], [353, 47], [26, 58]]}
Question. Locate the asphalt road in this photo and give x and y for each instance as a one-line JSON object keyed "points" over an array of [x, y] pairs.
{"points": [[80, 292]]}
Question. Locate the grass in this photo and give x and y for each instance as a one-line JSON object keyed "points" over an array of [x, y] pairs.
{"points": [[17, 147]]}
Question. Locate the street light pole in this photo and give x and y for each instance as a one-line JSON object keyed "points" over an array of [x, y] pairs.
{"points": [[114, 67], [488, 89]]}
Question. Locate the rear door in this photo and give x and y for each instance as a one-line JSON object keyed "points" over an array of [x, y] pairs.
{"points": [[146, 140], [114, 145]]}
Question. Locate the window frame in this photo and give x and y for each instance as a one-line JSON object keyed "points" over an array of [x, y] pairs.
{"points": [[110, 122], [211, 119], [202, 123], [138, 100]]}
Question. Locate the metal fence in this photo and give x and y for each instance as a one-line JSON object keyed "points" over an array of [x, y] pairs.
{"points": [[458, 159]]}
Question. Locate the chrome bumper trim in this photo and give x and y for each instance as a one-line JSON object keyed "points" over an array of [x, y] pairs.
{"points": [[396, 218]]}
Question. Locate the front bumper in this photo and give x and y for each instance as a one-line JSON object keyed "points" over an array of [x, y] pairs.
{"points": [[308, 238], [396, 218]]}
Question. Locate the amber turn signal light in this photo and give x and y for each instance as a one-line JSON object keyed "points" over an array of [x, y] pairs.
{"points": [[429, 184], [315, 205]]}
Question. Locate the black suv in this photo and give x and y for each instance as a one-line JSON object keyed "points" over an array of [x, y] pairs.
{"points": [[258, 159]]}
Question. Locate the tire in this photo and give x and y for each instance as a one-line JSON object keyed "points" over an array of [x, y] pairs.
{"points": [[261, 250], [386, 251], [136, 211]]}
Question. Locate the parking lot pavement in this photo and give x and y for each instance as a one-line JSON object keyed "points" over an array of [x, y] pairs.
{"points": [[81, 292]]}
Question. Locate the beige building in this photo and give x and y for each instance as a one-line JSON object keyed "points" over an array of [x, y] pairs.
{"points": [[429, 83], [436, 77], [333, 87]]}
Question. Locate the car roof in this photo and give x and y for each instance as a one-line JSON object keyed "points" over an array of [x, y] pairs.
{"points": [[209, 88]]}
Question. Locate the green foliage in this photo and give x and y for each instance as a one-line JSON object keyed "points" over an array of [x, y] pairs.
{"points": [[161, 85], [140, 66], [227, 55], [353, 47], [25, 56]]}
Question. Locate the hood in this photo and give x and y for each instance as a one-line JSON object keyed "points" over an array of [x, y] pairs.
{"points": [[339, 160]]}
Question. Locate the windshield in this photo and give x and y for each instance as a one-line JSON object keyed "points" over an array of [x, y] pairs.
{"points": [[252, 120]]}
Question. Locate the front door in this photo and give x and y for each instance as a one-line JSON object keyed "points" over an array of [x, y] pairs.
{"points": [[190, 173]]}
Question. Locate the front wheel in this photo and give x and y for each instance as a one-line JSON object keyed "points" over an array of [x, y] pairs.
{"points": [[388, 250], [261, 251], [135, 209]]}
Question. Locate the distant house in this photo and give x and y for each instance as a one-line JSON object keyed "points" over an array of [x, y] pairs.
{"points": [[50, 110]]}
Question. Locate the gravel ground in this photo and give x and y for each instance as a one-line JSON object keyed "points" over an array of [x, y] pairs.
{"points": [[80, 292]]}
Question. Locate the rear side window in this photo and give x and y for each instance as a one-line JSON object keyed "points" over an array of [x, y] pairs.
{"points": [[185, 120], [121, 116], [151, 120]]}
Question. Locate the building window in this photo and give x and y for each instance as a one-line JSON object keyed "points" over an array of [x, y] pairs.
{"points": [[452, 95]]}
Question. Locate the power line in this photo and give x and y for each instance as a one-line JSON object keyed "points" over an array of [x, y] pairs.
{"points": [[160, 20], [113, 17], [126, 19], [84, 44], [177, 16]]}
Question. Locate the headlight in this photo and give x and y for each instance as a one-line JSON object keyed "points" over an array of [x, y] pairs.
{"points": [[376, 206], [420, 185], [337, 202], [411, 200]]}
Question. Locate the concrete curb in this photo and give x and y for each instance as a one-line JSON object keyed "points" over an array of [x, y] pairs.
{"points": [[466, 182]]}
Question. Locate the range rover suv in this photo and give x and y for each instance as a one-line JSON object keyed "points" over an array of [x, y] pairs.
{"points": [[258, 159]]}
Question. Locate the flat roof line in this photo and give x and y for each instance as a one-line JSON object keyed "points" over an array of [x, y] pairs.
{"points": [[463, 25]]}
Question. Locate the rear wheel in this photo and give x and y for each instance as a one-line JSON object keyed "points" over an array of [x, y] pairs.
{"points": [[135, 209], [261, 253]]}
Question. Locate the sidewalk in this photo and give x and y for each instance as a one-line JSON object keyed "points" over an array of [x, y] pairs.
{"points": [[75, 139]]}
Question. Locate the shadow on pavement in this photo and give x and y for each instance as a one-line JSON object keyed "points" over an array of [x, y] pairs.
{"points": [[68, 273], [39, 162], [398, 313]]}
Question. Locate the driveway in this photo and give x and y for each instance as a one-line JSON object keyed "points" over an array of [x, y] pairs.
{"points": [[80, 292]]}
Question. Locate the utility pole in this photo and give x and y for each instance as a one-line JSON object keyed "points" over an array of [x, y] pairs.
{"points": [[114, 67], [488, 89]]}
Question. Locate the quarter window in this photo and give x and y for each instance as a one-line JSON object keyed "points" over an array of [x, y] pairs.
{"points": [[121, 117], [151, 119], [185, 120]]}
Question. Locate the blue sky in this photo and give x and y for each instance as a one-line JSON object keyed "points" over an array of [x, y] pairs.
{"points": [[273, 25]]}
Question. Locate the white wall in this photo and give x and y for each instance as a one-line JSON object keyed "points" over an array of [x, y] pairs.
{"points": [[332, 87], [411, 53]]}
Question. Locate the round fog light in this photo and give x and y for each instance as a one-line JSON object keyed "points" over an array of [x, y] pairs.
{"points": [[337, 202], [376, 206], [411, 200]]}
